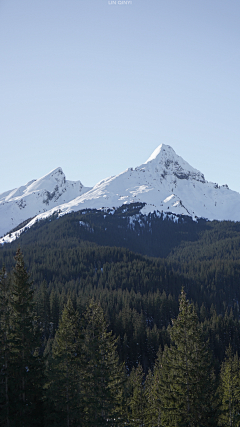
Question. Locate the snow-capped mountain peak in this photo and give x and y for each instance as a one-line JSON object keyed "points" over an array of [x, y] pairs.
{"points": [[165, 158], [162, 150], [35, 197], [55, 177], [46, 183], [164, 183]]}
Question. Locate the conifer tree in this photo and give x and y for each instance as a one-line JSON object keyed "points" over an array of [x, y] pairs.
{"points": [[43, 310], [54, 310], [158, 384], [26, 368], [138, 400], [150, 416], [64, 372], [4, 347], [186, 377], [229, 390], [102, 375]]}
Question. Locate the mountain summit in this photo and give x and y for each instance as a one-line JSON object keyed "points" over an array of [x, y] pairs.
{"points": [[164, 183], [164, 158], [35, 197]]}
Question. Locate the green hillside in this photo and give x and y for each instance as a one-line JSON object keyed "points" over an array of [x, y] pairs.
{"points": [[103, 293], [114, 257]]}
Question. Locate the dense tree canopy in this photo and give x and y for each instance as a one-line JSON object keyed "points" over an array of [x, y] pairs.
{"points": [[98, 338]]}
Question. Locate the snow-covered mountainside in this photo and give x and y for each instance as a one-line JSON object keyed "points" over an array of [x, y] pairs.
{"points": [[165, 183], [36, 197]]}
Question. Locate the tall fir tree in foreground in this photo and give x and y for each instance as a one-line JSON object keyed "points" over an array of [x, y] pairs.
{"points": [[5, 348], [229, 391], [185, 381], [103, 376], [25, 380], [159, 386], [63, 393], [137, 402]]}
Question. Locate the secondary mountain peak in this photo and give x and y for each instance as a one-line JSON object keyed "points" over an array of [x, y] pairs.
{"points": [[48, 182], [35, 197]]}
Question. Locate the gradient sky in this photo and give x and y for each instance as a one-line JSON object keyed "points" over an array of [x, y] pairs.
{"points": [[95, 87]]}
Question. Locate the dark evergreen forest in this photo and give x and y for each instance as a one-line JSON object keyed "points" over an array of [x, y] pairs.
{"points": [[113, 318]]}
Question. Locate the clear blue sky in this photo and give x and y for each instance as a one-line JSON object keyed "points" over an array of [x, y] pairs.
{"points": [[95, 87]]}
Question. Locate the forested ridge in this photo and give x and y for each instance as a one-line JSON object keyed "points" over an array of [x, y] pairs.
{"points": [[77, 279]]}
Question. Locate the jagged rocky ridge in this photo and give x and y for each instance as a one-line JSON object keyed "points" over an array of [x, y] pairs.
{"points": [[164, 183], [36, 197]]}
